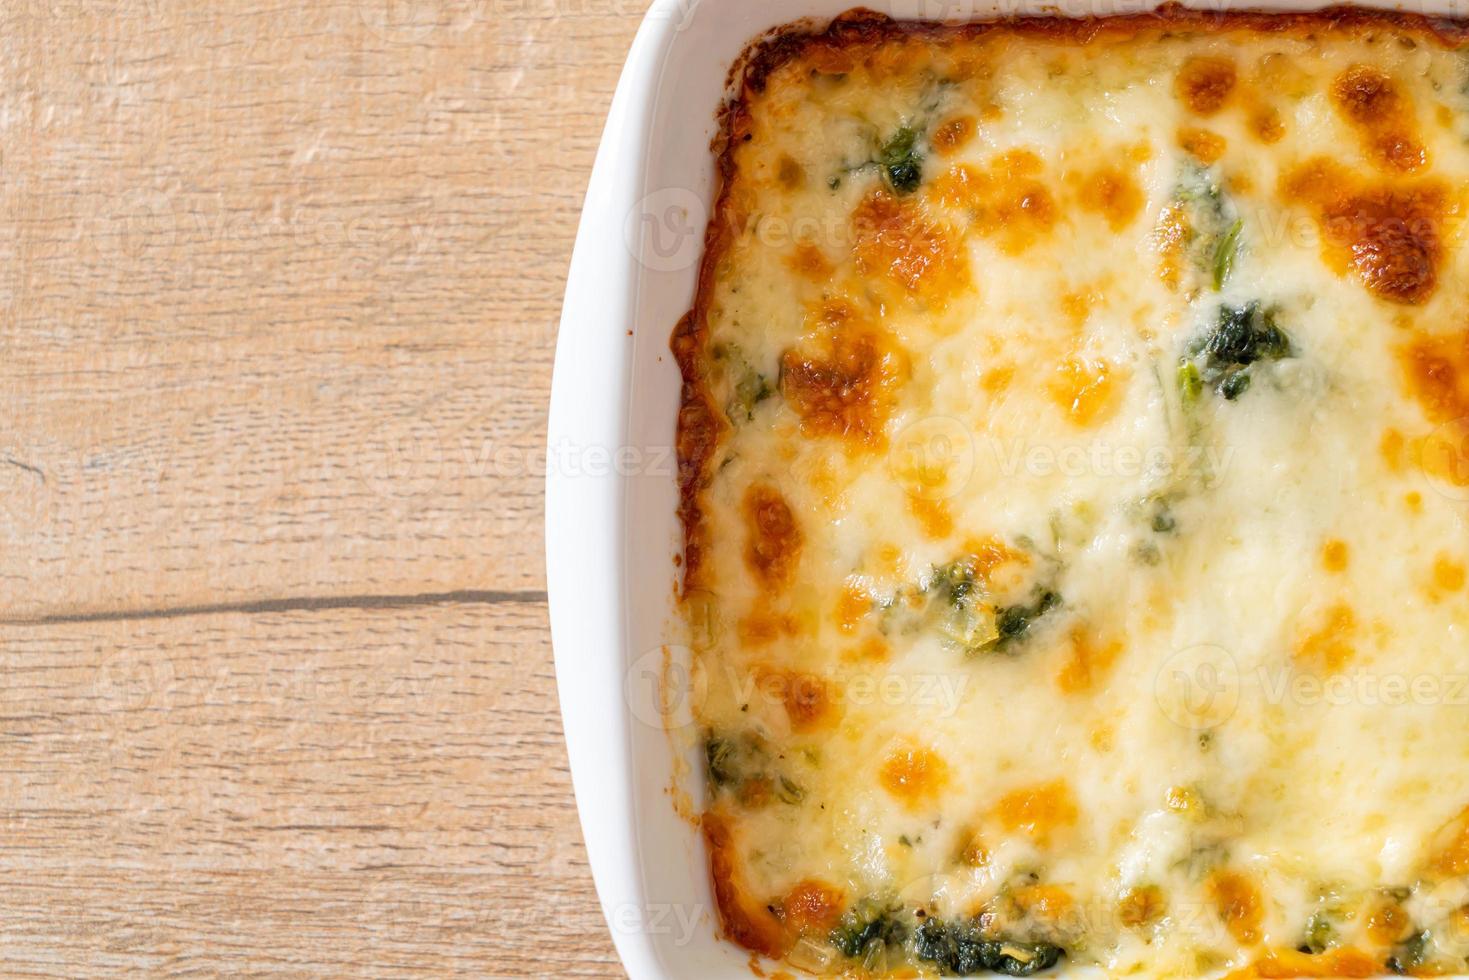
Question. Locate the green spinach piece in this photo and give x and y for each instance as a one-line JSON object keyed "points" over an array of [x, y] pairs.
{"points": [[1212, 223], [1242, 336], [1013, 622], [1320, 934], [750, 386], [867, 924], [733, 762], [719, 761], [787, 791], [970, 622], [1190, 384], [960, 949], [1225, 252], [752, 389], [1410, 954], [901, 161], [954, 581], [1161, 519]]}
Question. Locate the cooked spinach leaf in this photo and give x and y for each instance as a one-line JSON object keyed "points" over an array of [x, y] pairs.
{"points": [[719, 761], [1211, 224], [901, 161], [1242, 336], [1161, 518], [743, 765], [1411, 954], [954, 581], [1222, 357], [1320, 934], [1013, 622], [960, 949], [867, 924], [751, 387], [1224, 254], [970, 618], [1190, 385], [787, 791]]}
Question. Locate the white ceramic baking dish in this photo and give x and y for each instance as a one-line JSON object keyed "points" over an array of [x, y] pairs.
{"points": [[611, 531]]}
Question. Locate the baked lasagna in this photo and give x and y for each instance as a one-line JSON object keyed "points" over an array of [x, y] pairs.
{"points": [[1074, 456]]}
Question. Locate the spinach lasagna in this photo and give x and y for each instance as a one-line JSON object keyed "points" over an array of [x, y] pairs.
{"points": [[1074, 456]]}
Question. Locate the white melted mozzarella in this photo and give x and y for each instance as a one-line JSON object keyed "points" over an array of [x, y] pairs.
{"points": [[1244, 714]]}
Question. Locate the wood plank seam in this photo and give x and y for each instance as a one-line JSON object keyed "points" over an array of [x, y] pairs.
{"points": [[290, 604]]}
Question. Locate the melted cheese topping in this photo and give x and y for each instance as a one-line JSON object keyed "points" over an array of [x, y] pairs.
{"points": [[1076, 478]]}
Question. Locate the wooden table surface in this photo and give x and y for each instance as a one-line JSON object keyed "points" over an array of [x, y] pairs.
{"points": [[280, 285]]}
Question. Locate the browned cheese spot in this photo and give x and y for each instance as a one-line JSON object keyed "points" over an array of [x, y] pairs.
{"points": [[773, 540], [1089, 661], [1435, 371], [1205, 82], [950, 135], [763, 626], [1086, 390], [808, 698], [1388, 235], [1237, 899], [1040, 812], [810, 262], [1266, 124], [844, 381], [1201, 144], [1374, 105], [898, 240], [1110, 192], [1170, 237], [913, 775], [1007, 200], [1141, 906], [1279, 964], [932, 515], [789, 173], [812, 905], [1329, 644]]}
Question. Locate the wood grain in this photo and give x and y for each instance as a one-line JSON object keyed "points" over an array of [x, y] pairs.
{"points": [[359, 790], [281, 289], [278, 294]]}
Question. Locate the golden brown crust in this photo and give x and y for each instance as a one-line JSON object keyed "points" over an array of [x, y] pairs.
{"points": [[861, 28], [740, 919], [698, 433]]}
